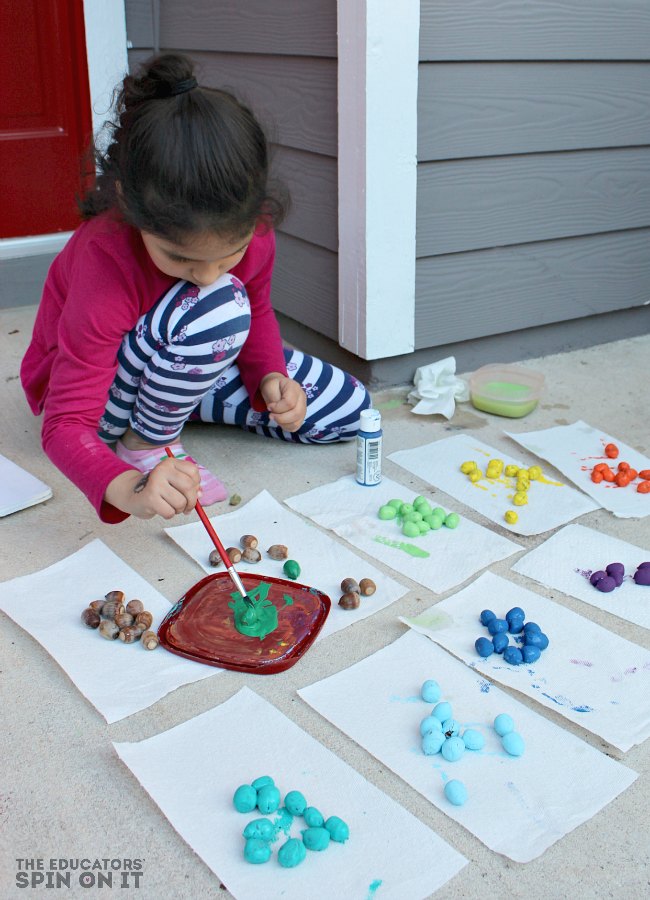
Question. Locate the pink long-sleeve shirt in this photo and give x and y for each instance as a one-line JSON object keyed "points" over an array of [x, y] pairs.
{"points": [[96, 290]]}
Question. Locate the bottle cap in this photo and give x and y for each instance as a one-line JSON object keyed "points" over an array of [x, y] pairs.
{"points": [[370, 420]]}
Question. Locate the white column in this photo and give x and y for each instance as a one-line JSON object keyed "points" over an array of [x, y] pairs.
{"points": [[105, 24], [378, 49]]}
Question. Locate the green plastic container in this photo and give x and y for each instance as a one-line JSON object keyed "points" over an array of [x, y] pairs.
{"points": [[502, 390]]}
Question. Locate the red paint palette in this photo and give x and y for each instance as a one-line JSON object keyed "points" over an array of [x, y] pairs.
{"points": [[201, 625]]}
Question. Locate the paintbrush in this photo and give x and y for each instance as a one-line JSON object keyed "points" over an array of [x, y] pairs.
{"points": [[234, 577]]}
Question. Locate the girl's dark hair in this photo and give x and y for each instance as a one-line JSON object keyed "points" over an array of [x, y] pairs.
{"points": [[182, 163]]}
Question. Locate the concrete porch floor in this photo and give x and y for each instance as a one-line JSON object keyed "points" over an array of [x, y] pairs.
{"points": [[64, 792]]}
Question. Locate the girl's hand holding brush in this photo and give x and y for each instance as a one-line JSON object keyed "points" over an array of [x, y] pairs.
{"points": [[172, 487]]}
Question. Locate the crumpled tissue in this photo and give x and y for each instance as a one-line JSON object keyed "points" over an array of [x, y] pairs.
{"points": [[437, 388]]}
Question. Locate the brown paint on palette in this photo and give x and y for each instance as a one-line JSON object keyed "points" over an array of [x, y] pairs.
{"points": [[201, 625]]}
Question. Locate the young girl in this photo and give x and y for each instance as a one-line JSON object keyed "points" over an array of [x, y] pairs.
{"points": [[157, 311]]}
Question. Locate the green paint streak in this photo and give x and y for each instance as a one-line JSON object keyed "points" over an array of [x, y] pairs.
{"points": [[390, 404], [288, 601], [431, 620], [411, 549], [260, 619], [372, 889]]}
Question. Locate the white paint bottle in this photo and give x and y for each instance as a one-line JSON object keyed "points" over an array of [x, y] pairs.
{"points": [[369, 441]]}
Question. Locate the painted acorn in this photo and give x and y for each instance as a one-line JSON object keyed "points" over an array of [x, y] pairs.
{"points": [[143, 620], [150, 640], [108, 629], [349, 585], [278, 551], [350, 600], [91, 618], [251, 555]]}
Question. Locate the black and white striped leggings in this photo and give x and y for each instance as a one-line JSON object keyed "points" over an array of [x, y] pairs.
{"points": [[179, 364]]}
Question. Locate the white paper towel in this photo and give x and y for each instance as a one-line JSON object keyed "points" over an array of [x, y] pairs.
{"points": [[564, 560], [517, 806], [437, 388], [575, 449], [452, 555], [550, 502], [118, 679], [192, 771], [587, 674]]}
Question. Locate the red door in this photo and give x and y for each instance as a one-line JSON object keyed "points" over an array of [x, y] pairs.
{"points": [[45, 116]]}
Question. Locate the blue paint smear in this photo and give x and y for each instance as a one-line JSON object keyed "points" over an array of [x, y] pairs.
{"points": [[485, 687], [283, 822], [372, 888], [582, 708]]}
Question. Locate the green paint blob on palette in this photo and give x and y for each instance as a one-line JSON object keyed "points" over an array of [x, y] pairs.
{"points": [[201, 626]]}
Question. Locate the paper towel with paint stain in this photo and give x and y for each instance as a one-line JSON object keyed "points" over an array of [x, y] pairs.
{"points": [[191, 772], [551, 502], [439, 560], [517, 807], [575, 450], [587, 674], [567, 559]]}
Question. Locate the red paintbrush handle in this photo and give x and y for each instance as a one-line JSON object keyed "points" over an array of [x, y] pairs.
{"points": [[208, 527]]}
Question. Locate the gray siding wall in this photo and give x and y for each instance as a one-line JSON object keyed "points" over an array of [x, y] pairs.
{"points": [[280, 59], [533, 164]]}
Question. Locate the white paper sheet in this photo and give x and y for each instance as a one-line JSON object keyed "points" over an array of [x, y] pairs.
{"points": [[324, 563], [118, 679], [192, 771], [568, 557], [550, 502], [517, 806], [575, 449], [19, 489], [586, 674], [350, 510]]}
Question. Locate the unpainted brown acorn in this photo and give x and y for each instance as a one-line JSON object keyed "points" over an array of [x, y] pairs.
{"points": [[367, 587], [251, 555], [124, 619], [112, 608], [278, 551], [91, 618], [109, 630], [144, 619], [150, 640], [350, 600], [118, 596], [248, 542], [134, 607], [130, 634], [97, 605], [234, 555], [349, 585], [215, 559]]}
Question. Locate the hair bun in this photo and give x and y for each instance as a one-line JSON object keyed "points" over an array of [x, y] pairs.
{"points": [[161, 76]]}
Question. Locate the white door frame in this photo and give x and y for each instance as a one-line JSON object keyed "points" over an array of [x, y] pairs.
{"points": [[378, 53]]}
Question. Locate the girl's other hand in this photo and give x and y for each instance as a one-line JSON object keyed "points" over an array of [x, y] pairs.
{"points": [[285, 400], [170, 488]]}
